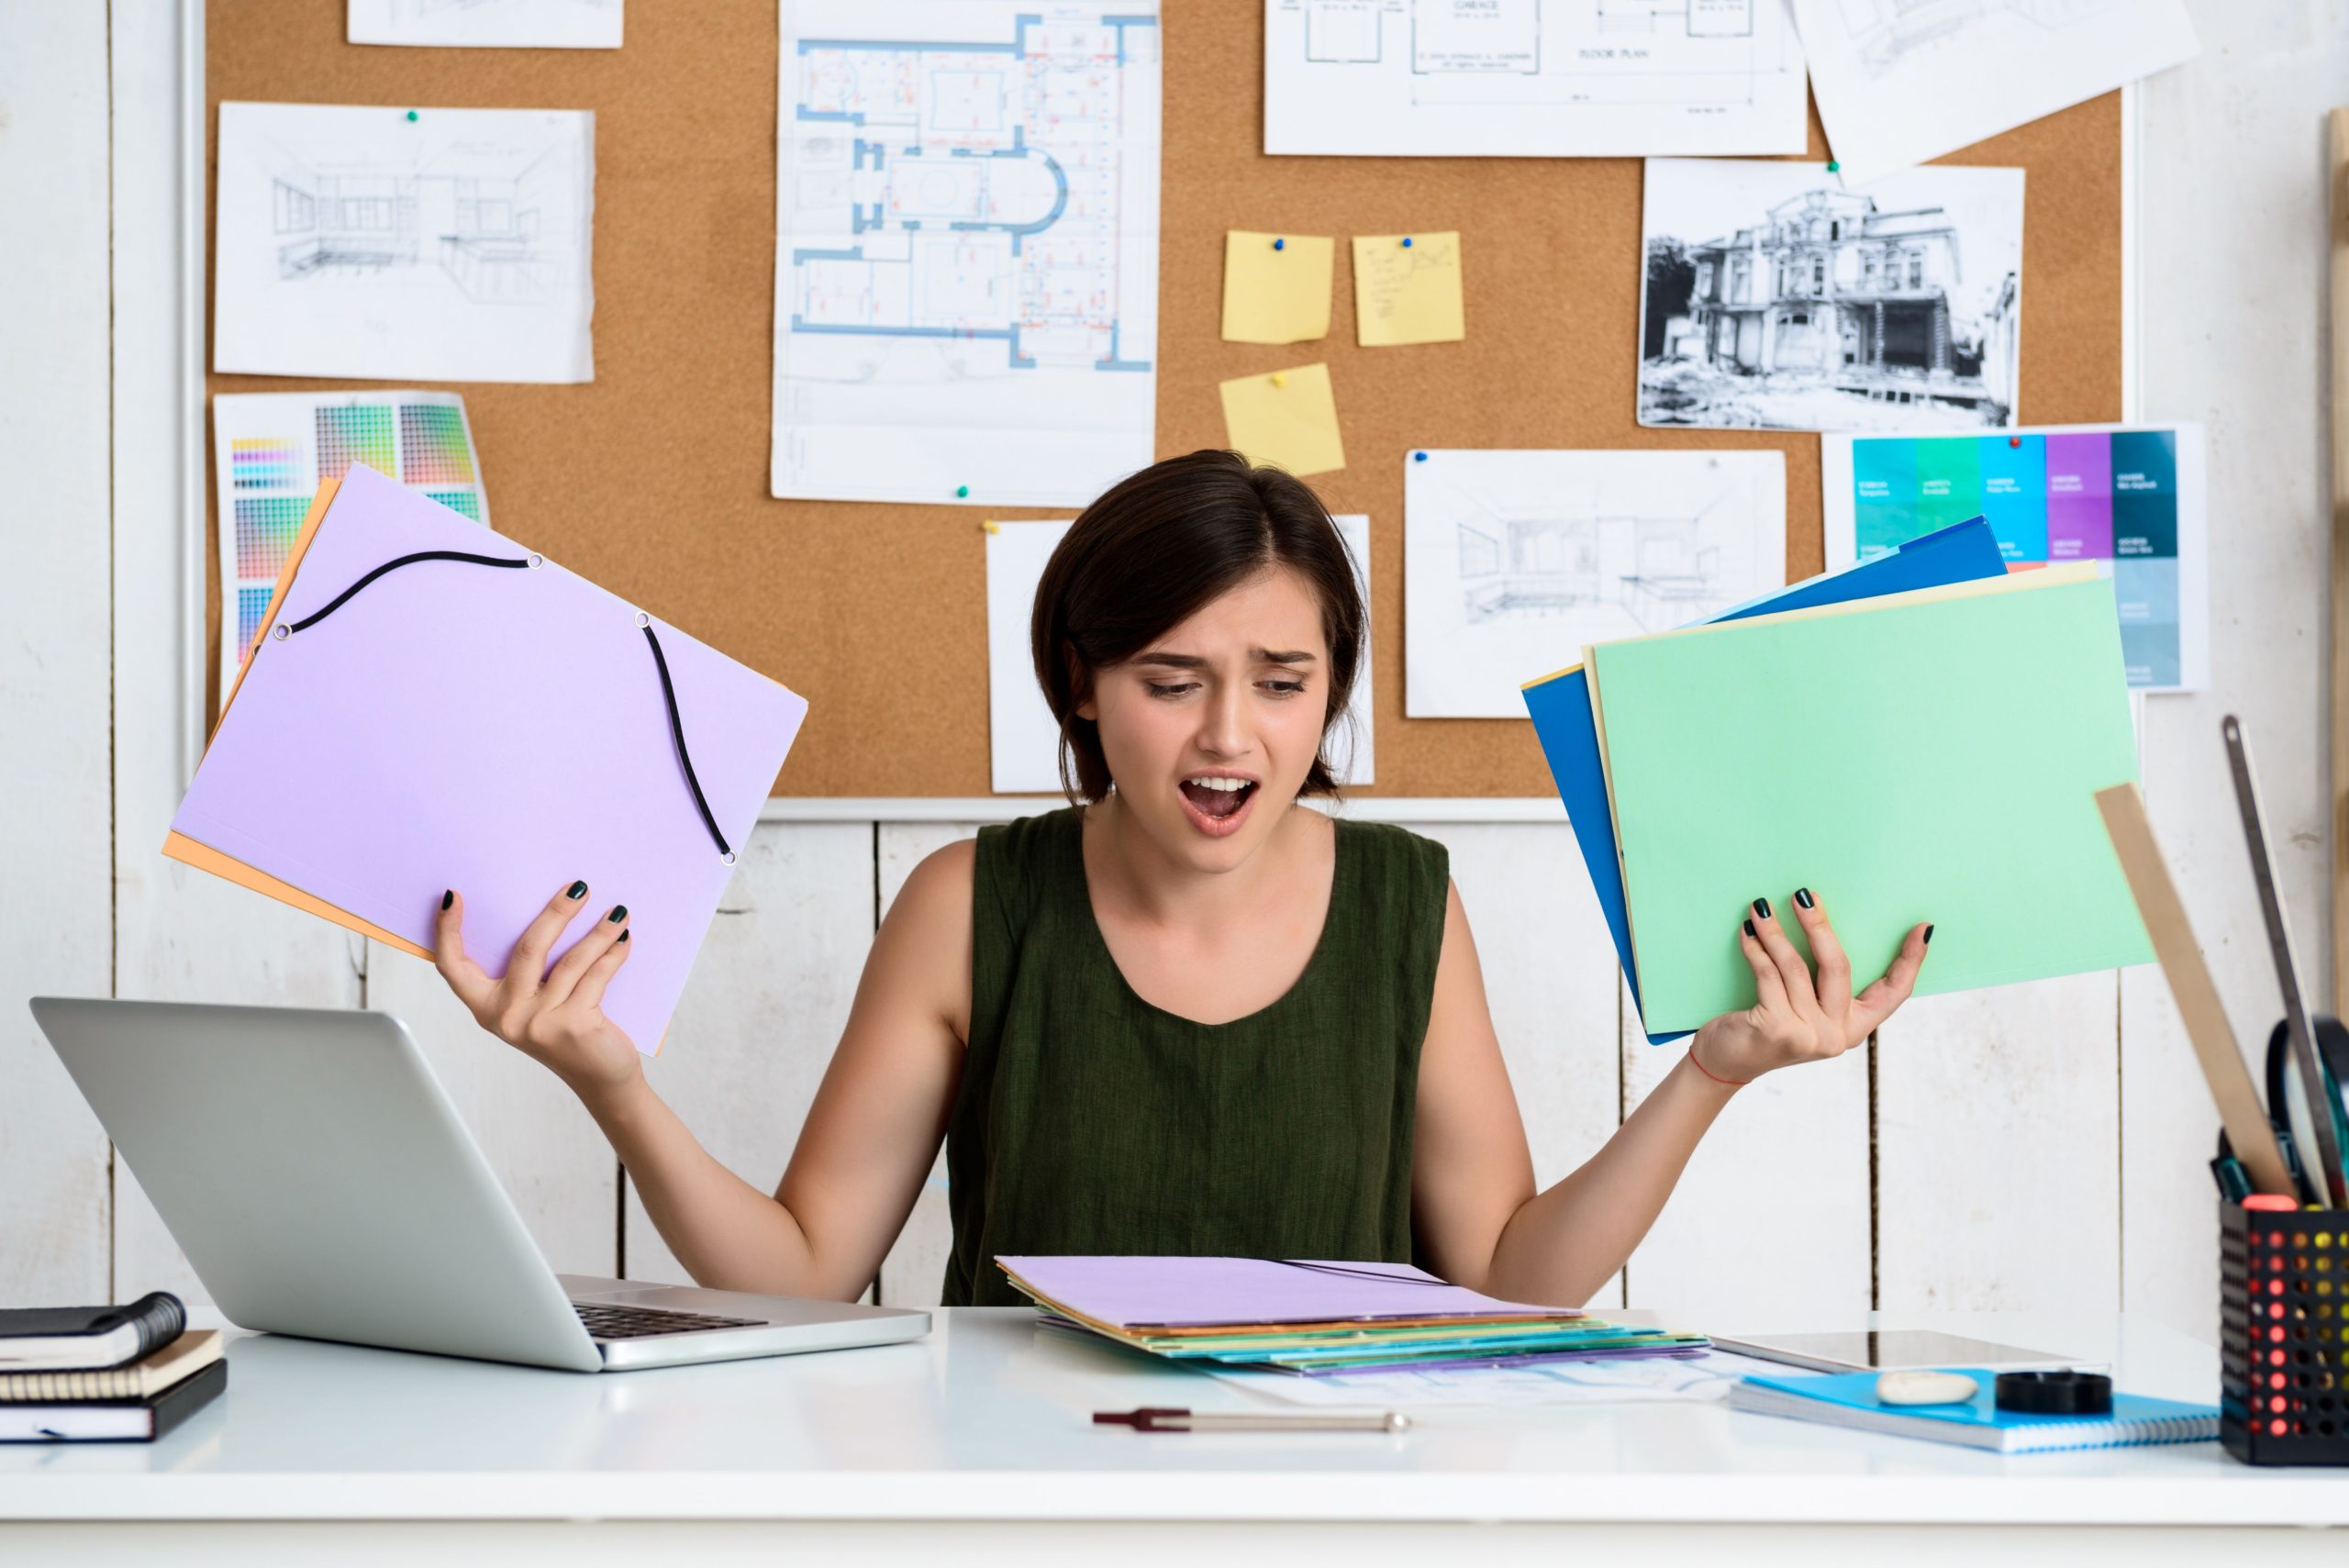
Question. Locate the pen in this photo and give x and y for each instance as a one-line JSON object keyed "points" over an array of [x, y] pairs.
{"points": [[1148, 1419], [2234, 1182]]}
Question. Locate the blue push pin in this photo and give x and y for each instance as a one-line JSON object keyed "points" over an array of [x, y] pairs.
{"points": [[1419, 457], [1406, 242], [1280, 244]]}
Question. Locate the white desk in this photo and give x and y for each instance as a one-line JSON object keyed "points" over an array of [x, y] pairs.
{"points": [[978, 1442]]}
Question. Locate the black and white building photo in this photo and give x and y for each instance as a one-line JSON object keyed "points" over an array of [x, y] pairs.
{"points": [[1775, 299]]}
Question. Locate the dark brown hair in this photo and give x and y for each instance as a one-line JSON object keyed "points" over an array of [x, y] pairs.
{"points": [[1155, 548]]}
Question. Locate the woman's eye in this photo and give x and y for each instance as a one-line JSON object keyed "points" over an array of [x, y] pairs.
{"points": [[1284, 688], [1171, 689]]}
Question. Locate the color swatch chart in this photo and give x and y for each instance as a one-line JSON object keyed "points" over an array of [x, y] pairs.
{"points": [[2133, 495], [272, 450]]}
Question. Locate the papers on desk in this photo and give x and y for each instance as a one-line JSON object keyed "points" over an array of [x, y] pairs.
{"points": [[1312, 1317], [405, 243], [1531, 78], [1698, 1379]]}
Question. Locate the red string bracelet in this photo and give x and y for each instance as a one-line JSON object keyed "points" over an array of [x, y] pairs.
{"points": [[1732, 1083]]}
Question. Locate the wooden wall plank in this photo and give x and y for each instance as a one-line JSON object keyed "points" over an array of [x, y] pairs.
{"points": [[2232, 253], [1769, 1226], [547, 1151], [768, 998], [54, 659], [1997, 1143]]}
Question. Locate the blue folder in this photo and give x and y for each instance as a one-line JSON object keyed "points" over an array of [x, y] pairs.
{"points": [[1560, 705]]}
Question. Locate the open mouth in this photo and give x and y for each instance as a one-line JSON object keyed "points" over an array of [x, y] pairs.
{"points": [[1216, 799]]}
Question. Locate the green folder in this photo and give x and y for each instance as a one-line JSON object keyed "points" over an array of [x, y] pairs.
{"points": [[1927, 757]]}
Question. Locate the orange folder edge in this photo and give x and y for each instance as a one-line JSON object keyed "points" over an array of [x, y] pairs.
{"points": [[179, 847]]}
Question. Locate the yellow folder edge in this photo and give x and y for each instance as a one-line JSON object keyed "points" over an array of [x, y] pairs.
{"points": [[178, 845], [1972, 588]]}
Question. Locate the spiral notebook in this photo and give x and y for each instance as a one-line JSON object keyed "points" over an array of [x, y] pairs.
{"points": [[1848, 1399]]}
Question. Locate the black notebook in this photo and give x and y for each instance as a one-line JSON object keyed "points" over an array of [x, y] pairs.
{"points": [[51, 1338], [113, 1420]]}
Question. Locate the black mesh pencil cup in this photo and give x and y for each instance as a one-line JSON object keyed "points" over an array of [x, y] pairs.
{"points": [[2284, 1335]]}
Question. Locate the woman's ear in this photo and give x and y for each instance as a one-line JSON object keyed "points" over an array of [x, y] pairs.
{"points": [[1080, 687]]}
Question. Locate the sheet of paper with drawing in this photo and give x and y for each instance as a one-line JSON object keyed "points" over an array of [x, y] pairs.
{"points": [[1902, 80], [1976, 723], [446, 708], [271, 449], [488, 24], [1774, 299], [1512, 560], [966, 250], [405, 244], [2136, 496], [1023, 743], [1531, 78], [1408, 290]]}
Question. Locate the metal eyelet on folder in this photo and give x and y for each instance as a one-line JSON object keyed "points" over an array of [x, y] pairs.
{"points": [[642, 619], [279, 631], [537, 561], [728, 858]]}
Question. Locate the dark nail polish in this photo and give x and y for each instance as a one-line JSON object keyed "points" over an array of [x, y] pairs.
{"points": [[1762, 907], [1803, 897], [619, 912], [1751, 932], [624, 935], [448, 898], [1929, 933], [577, 890]]}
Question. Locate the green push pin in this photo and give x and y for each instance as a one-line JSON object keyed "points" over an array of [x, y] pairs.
{"points": [[411, 116], [961, 491], [1833, 167]]}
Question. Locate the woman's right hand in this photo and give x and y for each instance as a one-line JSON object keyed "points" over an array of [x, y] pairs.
{"points": [[555, 1015]]}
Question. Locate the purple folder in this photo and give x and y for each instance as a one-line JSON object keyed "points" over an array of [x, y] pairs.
{"points": [[1197, 1293], [498, 728]]}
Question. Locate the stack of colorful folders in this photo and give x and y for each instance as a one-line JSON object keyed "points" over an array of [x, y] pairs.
{"points": [[1917, 739], [1315, 1317]]}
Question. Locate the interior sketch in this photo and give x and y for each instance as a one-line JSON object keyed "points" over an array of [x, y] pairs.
{"points": [[969, 191], [495, 223], [1660, 571]]}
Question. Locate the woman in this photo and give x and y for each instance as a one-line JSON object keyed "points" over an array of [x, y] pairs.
{"points": [[1186, 1016]]}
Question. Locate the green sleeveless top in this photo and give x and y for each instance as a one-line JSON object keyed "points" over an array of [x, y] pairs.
{"points": [[1090, 1121]]}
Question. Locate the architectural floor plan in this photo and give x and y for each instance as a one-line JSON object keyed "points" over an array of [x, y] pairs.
{"points": [[966, 258], [1531, 78]]}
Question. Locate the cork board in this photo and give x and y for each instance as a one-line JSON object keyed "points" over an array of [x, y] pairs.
{"points": [[652, 479]]}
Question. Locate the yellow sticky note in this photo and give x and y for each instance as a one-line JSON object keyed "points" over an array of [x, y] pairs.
{"points": [[1276, 287], [1407, 290], [1289, 417]]}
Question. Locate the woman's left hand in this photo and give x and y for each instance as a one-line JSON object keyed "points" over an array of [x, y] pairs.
{"points": [[1797, 1016]]}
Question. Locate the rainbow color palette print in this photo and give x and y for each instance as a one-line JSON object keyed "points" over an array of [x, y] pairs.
{"points": [[2134, 495], [272, 449]]}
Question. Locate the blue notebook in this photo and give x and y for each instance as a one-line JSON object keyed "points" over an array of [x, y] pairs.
{"points": [[1848, 1399], [1560, 704]]}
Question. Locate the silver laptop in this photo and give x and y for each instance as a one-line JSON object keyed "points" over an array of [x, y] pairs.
{"points": [[322, 1184]]}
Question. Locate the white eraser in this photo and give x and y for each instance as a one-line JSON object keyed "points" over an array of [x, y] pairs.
{"points": [[1924, 1388]]}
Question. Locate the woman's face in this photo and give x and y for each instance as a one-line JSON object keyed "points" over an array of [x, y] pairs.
{"points": [[1210, 730]]}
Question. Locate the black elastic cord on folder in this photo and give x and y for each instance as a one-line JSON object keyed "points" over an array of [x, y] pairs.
{"points": [[660, 661], [677, 733], [394, 565]]}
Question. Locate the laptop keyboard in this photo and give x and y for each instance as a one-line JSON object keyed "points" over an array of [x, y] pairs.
{"points": [[637, 1322]]}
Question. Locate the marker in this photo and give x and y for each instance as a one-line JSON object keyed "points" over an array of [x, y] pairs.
{"points": [[1280, 244], [962, 491], [2234, 1182], [2275, 1203]]}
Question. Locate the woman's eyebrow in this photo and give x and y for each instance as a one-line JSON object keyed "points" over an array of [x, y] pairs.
{"points": [[1265, 656], [1194, 662]]}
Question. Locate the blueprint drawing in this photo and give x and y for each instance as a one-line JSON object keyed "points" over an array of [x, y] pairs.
{"points": [[1531, 78], [966, 258]]}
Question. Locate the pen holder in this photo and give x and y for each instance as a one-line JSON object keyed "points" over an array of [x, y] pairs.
{"points": [[2284, 1335]]}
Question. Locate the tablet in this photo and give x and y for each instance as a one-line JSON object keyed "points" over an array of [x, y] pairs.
{"points": [[1890, 1349]]}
